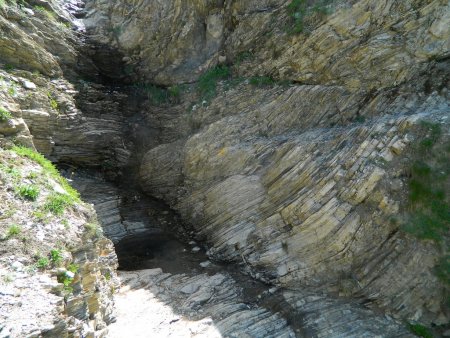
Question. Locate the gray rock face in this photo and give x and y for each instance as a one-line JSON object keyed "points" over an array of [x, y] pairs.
{"points": [[299, 183], [180, 40], [216, 306]]}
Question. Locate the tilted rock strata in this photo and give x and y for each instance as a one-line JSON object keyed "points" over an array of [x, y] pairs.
{"points": [[35, 301], [309, 209], [361, 45], [215, 306]]}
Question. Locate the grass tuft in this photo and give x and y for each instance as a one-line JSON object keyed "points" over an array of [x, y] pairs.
{"points": [[13, 230], [57, 203], [49, 168], [420, 330], [29, 192], [4, 115], [207, 83]]}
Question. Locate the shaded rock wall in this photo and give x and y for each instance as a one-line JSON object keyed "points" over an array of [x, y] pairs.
{"points": [[299, 182]]}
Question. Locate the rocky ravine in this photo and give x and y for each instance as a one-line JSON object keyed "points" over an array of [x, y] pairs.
{"points": [[299, 183], [296, 165]]}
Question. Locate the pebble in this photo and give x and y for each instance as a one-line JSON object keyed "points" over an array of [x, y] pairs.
{"points": [[28, 85], [205, 264], [195, 249], [17, 266]]}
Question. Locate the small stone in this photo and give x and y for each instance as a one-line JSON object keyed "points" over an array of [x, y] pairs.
{"points": [[28, 85], [17, 266], [205, 264], [273, 290], [195, 249]]}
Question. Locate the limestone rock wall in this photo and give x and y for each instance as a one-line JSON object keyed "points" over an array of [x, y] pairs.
{"points": [[362, 45], [300, 183]]}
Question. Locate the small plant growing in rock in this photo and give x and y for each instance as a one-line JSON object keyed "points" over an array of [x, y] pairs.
{"points": [[420, 330], [8, 67], [207, 83], [53, 102], [13, 230], [42, 263], [49, 169], [299, 9], [262, 81], [45, 11], [4, 115], [92, 229], [29, 192], [55, 256], [57, 203]]}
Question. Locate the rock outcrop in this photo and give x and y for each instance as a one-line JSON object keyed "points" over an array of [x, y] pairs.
{"points": [[301, 182], [57, 270], [296, 165]]}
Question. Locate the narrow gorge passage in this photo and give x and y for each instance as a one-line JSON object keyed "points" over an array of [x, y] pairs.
{"points": [[246, 168], [170, 288]]}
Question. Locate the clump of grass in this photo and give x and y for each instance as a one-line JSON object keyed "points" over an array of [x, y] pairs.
{"points": [[420, 330], [8, 67], [42, 263], [243, 56], [55, 256], [262, 81], [57, 203], [29, 192], [298, 10], [207, 83], [4, 115], [92, 229], [158, 95], [428, 205], [50, 15], [48, 168], [13, 230], [53, 102]]}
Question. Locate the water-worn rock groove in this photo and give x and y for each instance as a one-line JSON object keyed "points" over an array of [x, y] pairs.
{"points": [[273, 168]]}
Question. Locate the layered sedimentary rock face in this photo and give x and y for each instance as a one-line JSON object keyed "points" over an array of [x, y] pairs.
{"points": [[301, 183], [297, 157]]}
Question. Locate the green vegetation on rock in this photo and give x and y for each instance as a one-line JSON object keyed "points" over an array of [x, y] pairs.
{"points": [[299, 9], [428, 204], [29, 192], [158, 95], [4, 115], [13, 230], [207, 83], [57, 203], [420, 330], [49, 169]]}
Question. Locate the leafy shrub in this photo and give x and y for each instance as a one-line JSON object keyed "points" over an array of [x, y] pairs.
{"points": [[29, 192], [4, 115]]}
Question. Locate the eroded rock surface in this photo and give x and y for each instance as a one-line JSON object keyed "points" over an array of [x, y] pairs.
{"points": [[215, 306]]}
